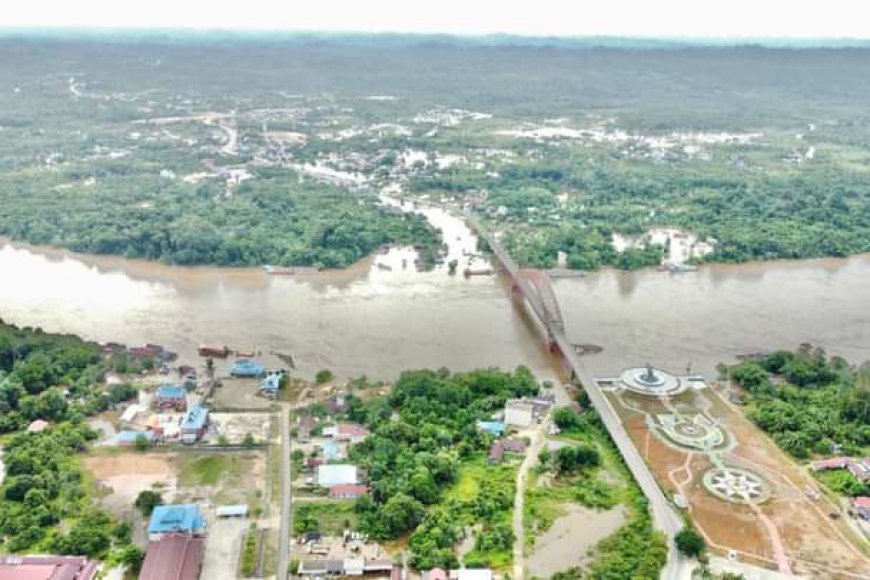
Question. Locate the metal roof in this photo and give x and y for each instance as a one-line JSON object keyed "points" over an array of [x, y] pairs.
{"points": [[175, 518], [173, 557], [231, 510], [171, 392], [195, 418]]}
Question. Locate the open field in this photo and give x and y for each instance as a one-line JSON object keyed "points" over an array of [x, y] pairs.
{"points": [[784, 528]]}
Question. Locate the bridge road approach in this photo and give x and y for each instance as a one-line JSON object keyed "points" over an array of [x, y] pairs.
{"points": [[665, 517]]}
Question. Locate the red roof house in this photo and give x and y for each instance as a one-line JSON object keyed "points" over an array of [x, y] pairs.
{"points": [[174, 557], [348, 491]]}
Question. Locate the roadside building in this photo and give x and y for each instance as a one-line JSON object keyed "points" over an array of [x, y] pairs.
{"points": [[828, 464], [519, 413], [347, 491], [214, 350], [171, 397], [332, 450], [526, 412], [47, 568], [271, 384], [435, 574], [194, 425], [339, 474], [471, 574], [860, 507], [232, 511], [336, 404], [496, 452], [860, 468], [247, 368], [353, 566], [517, 446], [130, 438], [347, 432], [175, 519], [173, 557], [306, 424], [320, 568]]}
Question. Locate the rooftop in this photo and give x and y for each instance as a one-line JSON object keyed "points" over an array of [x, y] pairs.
{"points": [[195, 418], [46, 568], [175, 518], [173, 557], [171, 392]]}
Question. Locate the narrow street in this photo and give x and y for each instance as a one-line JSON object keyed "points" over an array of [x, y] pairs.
{"points": [[538, 440], [284, 533]]}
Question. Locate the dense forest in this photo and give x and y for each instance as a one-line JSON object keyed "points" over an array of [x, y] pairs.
{"points": [[272, 220], [55, 378], [809, 403], [125, 145]]}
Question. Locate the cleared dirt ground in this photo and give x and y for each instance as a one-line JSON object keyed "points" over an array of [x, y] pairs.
{"points": [[812, 542]]}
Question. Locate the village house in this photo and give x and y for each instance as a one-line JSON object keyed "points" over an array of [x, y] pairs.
{"points": [[171, 397], [860, 468], [194, 425], [17, 567], [347, 432], [526, 412], [175, 519], [347, 491], [173, 557], [306, 424], [247, 368], [860, 506], [340, 474]]}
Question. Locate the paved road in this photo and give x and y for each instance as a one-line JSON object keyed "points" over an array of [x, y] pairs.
{"points": [[284, 533], [665, 517]]}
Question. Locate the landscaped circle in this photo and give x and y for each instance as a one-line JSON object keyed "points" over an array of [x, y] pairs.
{"points": [[736, 485]]}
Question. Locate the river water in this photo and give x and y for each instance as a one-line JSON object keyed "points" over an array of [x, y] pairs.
{"points": [[379, 320]]}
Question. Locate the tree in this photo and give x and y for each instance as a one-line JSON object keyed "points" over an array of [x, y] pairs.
{"points": [[574, 458], [690, 542], [131, 557], [249, 441], [147, 500], [566, 418], [141, 443], [323, 376]]}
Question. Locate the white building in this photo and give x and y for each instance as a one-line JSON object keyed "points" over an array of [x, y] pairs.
{"points": [[341, 474], [518, 413], [471, 574]]}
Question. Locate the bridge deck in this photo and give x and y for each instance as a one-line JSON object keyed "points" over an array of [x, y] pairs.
{"points": [[544, 303]]}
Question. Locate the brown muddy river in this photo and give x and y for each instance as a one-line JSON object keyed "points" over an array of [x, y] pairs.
{"points": [[379, 320]]}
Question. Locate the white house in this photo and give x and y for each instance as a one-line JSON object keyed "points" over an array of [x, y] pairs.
{"points": [[339, 474], [519, 413]]}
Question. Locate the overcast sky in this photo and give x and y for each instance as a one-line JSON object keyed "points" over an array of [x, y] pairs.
{"points": [[659, 18]]}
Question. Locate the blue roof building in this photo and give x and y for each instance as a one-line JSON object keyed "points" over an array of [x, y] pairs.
{"points": [[130, 437], [246, 368], [494, 428], [193, 425], [171, 392], [332, 450], [271, 384], [184, 518]]}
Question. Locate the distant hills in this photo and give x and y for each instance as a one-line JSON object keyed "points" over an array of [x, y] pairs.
{"points": [[405, 39]]}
